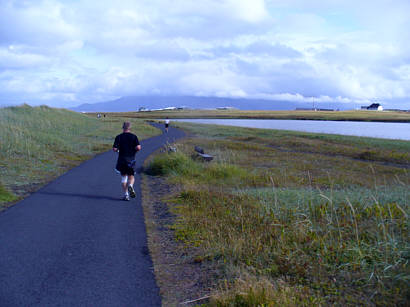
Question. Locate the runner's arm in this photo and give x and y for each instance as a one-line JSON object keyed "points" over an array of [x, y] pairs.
{"points": [[137, 144], [116, 144]]}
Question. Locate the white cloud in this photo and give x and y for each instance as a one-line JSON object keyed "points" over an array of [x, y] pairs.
{"points": [[252, 11], [87, 51], [40, 23], [12, 58]]}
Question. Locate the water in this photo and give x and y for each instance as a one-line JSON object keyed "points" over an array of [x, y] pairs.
{"points": [[399, 131]]}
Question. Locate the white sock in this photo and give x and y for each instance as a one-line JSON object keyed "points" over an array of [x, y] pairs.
{"points": [[127, 194]]}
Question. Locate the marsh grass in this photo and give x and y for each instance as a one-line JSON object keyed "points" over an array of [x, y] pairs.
{"points": [[292, 227], [246, 114], [370, 149], [259, 291], [188, 169], [40, 143]]}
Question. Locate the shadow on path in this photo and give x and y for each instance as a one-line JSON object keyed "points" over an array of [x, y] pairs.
{"points": [[90, 196]]}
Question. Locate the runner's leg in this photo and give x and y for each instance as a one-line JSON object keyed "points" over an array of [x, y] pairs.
{"points": [[131, 180], [131, 190], [124, 185]]}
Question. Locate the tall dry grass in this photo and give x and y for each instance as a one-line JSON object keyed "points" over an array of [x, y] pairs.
{"points": [[292, 228]]}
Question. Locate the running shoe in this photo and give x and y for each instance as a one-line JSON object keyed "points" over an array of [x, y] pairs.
{"points": [[126, 197], [131, 191]]}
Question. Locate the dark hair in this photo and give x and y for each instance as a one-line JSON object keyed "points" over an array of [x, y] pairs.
{"points": [[126, 125]]}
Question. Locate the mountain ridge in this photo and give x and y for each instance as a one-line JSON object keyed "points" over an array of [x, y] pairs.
{"points": [[133, 103]]}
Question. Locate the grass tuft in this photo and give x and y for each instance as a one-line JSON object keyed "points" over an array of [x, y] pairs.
{"points": [[5, 195], [165, 164]]}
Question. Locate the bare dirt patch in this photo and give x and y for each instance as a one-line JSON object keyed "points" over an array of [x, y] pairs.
{"points": [[181, 275]]}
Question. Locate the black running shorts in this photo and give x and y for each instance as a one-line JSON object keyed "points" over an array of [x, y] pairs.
{"points": [[125, 169]]}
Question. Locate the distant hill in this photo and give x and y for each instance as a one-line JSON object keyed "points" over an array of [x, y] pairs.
{"points": [[133, 103]]}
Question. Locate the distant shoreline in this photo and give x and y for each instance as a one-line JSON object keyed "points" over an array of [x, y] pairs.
{"points": [[354, 116], [384, 130]]}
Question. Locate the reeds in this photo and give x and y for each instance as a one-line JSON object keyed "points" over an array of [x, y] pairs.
{"points": [[329, 241], [247, 114]]}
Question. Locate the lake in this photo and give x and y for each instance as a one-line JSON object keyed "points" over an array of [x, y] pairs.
{"points": [[399, 131]]}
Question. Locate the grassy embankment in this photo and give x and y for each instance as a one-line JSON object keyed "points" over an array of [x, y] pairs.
{"points": [[38, 144], [294, 218], [359, 115]]}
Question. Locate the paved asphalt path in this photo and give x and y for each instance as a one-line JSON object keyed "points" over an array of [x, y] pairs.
{"points": [[75, 243]]}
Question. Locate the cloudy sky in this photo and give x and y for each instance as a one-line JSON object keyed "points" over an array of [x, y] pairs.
{"points": [[64, 53]]}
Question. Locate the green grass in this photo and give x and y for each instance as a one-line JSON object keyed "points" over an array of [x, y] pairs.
{"points": [[372, 149], [359, 115], [40, 143], [6, 196], [183, 168], [303, 222]]}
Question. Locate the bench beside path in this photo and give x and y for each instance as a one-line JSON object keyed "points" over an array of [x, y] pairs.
{"points": [[75, 243]]}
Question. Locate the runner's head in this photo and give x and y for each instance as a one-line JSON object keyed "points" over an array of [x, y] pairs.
{"points": [[126, 126]]}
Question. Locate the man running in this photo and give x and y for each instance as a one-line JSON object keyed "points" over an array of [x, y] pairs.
{"points": [[127, 145], [166, 124]]}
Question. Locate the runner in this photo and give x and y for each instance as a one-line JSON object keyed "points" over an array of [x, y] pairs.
{"points": [[166, 125], [127, 145]]}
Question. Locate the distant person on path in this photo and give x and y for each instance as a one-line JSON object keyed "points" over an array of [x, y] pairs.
{"points": [[166, 125], [127, 145]]}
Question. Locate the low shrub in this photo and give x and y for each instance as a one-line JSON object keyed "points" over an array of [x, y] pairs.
{"points": [[172, 163], [185, 168]]}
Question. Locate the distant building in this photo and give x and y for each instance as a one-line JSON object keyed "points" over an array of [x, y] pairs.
{"points": [[373, 106], [225, 108], [396, 110], [305, 109], [143, 109], [313, 109]]}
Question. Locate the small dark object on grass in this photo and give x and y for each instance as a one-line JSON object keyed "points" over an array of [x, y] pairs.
{"points": [[206, 157], [199, 150], [202, 154]]}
